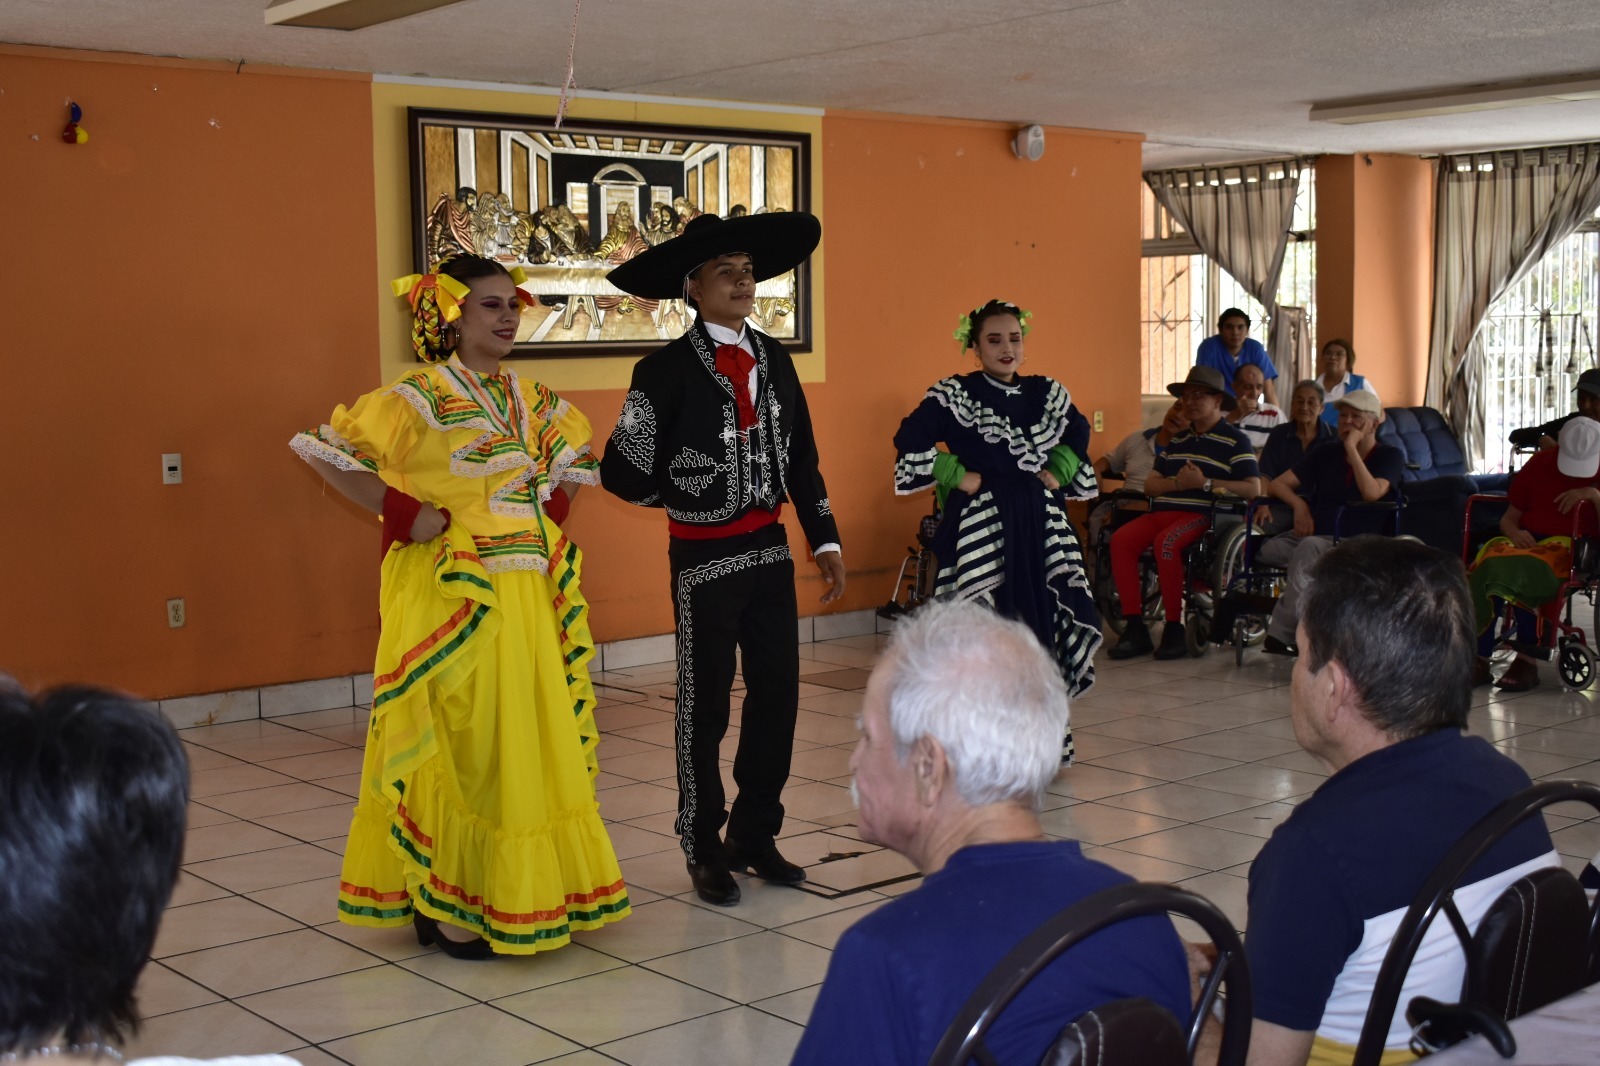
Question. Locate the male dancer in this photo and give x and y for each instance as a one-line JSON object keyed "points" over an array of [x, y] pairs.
{"points": [[715, 429]]}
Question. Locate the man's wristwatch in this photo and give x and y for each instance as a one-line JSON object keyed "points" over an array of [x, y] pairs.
{"points": [[1206, 487]]}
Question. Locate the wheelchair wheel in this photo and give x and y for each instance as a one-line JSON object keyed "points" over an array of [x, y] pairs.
{"points": [[1197, 631], [1575, 664], [1230, 576]]}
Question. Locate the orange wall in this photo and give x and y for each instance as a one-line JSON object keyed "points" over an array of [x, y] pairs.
{"points": [[197, 278], [234, 215], [1374, 266], [927, 220]]}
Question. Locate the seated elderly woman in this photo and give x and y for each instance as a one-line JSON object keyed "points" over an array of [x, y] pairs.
{"points": [[1288, 443], [1528, 565], [94, 790], [1336, 373]]}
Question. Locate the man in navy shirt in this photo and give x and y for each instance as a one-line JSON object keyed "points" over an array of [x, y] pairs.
{"points": [[1353, 468], [960, 733], [1379, 696]]}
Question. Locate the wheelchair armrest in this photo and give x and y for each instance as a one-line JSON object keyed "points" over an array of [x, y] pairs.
{"points": [[1230, 504], [1441, 1025]]}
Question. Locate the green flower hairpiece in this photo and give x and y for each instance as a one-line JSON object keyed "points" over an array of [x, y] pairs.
{"points": [[963, 331]]}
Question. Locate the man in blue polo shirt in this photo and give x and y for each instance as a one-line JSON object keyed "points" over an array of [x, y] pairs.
{"points": [[1379, 696], [961, 731], [1232, 348], [1352, 468]]}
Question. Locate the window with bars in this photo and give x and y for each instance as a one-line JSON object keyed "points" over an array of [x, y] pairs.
{"points": [[1536, 340], [1183, 291]]}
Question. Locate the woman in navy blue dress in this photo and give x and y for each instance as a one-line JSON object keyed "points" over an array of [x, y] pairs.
{"points": [[1014, 451]]}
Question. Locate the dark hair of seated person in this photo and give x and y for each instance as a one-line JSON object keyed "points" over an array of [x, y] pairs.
{"points": [[1397, 616], [94, 789]]}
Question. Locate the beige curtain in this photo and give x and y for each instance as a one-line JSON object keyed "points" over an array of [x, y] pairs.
{"points": [[1498, 214], [1240, 216]]}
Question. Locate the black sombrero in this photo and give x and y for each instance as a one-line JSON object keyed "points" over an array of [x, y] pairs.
{"points": [[776, 243]]}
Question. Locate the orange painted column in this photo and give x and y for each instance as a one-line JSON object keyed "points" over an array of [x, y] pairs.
{"points": [[1375, 266]]}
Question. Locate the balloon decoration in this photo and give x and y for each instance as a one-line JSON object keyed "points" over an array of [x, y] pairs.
{"points": [[74, 133]]}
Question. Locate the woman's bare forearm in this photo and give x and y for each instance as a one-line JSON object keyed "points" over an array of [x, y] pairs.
{"points": [[361, 487]]}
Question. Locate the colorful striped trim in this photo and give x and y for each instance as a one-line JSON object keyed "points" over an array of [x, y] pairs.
{"points": [[433, 650]]}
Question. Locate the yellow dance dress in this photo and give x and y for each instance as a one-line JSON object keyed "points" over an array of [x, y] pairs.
{"points": [[477, 802]]}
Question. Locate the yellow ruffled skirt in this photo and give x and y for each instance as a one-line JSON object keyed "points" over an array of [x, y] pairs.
{"points": [[477, 802]]}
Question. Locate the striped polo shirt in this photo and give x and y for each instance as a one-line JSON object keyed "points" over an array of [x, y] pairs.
{"points": [[1223, 453]]}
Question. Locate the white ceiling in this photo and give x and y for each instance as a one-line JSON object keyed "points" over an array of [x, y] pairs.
{"points": [[1203, 80]]}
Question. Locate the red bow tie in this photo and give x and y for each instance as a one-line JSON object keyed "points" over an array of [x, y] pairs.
{"points": [[735, 364]]}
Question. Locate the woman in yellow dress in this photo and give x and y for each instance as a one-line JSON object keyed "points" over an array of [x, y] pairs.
{"points": [[477, 819]]}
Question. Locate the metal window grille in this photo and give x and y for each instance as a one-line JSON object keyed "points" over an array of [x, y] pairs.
{"points": [[1184, 291], [1536, 340]]}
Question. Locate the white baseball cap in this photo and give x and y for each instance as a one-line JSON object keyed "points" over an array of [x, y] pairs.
{"points": [[1578, 452]]}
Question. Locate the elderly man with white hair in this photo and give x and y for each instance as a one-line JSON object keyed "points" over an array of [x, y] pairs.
{"points": [[960, 733]]}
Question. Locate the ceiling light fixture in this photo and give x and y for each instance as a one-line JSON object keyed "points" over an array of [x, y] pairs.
{"points": [[1484, 97], [345, 14]]}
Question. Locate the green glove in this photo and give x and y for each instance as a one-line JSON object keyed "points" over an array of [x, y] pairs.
{"points": [[947, 474], [1063, 463]]}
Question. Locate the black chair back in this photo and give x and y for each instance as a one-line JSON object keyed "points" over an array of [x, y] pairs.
{"points": [[1497, 961], [1531, 947], [1125, 1030], [963, 1041]]}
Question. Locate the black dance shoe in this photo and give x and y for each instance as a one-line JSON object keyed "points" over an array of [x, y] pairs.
{"points": [[428, 933], [713, 883], [764, 861]]}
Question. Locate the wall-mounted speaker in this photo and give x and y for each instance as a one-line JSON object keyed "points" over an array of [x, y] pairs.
{"points": [[1029, 143]]}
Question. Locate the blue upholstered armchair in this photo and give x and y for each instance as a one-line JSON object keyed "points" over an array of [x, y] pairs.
{"points": [[1437, 482]]}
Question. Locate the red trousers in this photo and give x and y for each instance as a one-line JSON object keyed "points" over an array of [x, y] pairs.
{"points": [[1168, 532]]}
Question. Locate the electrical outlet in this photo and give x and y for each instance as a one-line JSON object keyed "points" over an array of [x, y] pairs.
{"points": [[176, 615], [1099, 421], [171, 468]]}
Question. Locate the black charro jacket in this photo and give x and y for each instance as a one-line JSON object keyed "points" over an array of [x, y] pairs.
{"points": [[677, 445]]}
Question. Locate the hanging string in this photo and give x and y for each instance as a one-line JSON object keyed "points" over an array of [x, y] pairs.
{"points": [[570, 83]]}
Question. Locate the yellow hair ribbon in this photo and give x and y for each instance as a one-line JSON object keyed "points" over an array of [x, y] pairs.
{"points": [[447, 291], [519, 278]]}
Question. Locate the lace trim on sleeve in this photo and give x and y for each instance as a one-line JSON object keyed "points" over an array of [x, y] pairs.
{"points": [[325, 444], [1030, 446]]}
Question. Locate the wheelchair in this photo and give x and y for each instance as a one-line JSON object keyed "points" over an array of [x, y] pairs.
{"points": [[1209, 565], [914, 585], [1126, 504], [1573, 651], [1251, 587]]}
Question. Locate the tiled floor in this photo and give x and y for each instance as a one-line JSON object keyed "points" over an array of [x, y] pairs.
{"points": [[1185, 767]]}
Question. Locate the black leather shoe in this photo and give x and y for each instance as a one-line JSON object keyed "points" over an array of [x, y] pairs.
{"points": [[1135, 641], [764, 861], [714, 884], [428, 933], [1173, 645], [1273, 646]]}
